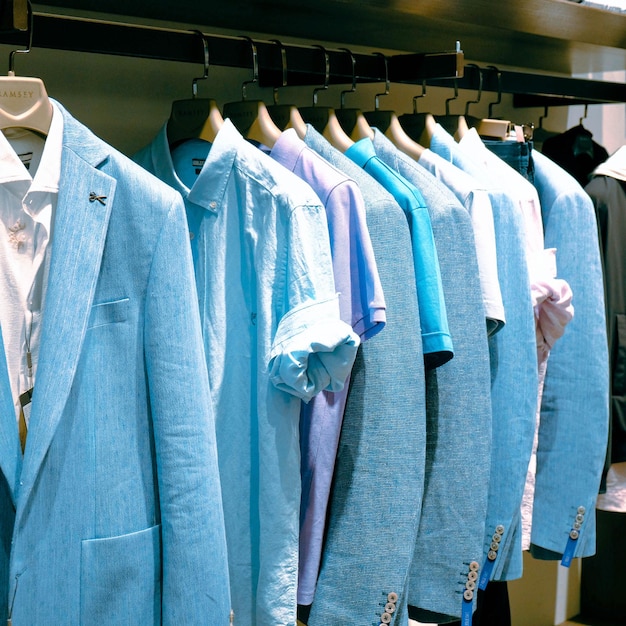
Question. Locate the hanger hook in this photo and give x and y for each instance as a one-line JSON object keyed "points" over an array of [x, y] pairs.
{"points": [[352, 89], [480, 88], [387, 82], [418, 96], [580, 122], [454, 97], [326, 74], [499, 98], [12, 54], [205, 75], [283, 64], [255, 67]]}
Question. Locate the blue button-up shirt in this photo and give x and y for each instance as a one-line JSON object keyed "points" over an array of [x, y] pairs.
{"points": [[433, 317], [273, 337]]}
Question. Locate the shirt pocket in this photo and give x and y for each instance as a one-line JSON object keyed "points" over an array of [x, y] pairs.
{"points": [[105, 313], [120, 579]]}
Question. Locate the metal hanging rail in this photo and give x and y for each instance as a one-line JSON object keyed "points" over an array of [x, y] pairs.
{"points": [[538, 90], [305, 64]]}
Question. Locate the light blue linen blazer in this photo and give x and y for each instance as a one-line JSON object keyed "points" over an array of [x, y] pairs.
{"points": [[514, 378], [458, 410], [113, 515], [573, 431], [379, 476]]}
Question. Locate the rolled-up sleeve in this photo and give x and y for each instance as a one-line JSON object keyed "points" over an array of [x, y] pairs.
{"points": [[312, 350]]}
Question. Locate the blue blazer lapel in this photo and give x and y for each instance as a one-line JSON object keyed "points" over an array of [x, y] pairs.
{"points": [[10, 452], [80, 226]]}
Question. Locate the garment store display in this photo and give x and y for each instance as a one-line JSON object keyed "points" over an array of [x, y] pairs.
{"points": [[119, 485], [306, 374]]}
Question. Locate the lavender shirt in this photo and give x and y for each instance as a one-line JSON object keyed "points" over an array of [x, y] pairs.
{"points": [[361, 305]]}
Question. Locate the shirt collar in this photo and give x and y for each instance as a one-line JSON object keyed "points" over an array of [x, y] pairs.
{"points": [[361, 152], [288, 148], [163, 166], [209, 189], [48, 172]]}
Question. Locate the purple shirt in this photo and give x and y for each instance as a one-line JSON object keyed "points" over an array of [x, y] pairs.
{"points": [[361, 305]]}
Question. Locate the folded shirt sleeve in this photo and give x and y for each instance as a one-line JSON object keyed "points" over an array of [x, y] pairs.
{"points": [[312, 350]]}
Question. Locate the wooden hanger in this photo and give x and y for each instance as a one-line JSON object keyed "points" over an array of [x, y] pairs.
{"points": [[194, 118], [33, 109], [387, 123], [324, 119], [286, 115], [251, 117]]}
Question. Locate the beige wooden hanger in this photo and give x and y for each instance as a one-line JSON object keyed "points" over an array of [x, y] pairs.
{"points": [[251, 117], [324, 119], [24, 101], [194, 118]]}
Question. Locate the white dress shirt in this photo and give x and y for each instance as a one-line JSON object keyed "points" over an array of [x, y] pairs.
{"points": [[30, 168]]}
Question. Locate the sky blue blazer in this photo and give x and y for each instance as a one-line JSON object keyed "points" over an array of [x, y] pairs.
{"points": [[575, 404], [113, 516], [458, 411]]}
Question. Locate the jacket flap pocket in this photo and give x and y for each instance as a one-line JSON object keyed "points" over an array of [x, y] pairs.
{"points": [[108, 313]]}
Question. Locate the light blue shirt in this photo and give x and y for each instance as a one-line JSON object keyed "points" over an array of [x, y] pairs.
{"points": [[436, 337], [273, 337], [362, 305]]}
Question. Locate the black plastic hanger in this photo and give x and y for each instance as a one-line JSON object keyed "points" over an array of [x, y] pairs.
{"points": [[418, 126], [324, 119], [286, 115], [251, 117], [387, 122], [352, 120], [490, 127], [194, 118]]}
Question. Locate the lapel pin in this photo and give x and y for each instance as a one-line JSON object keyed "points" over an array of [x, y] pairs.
{"points": [[93, 197]]}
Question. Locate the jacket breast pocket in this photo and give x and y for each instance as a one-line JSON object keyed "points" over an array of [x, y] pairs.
{"points": [[120, 580], [108, 313]]}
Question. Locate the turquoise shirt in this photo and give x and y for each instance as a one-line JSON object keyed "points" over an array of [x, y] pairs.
{"points": [[436, 338]]}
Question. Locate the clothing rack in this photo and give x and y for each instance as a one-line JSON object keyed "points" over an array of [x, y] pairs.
{"points": [[298, 65], [305, 65]]}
